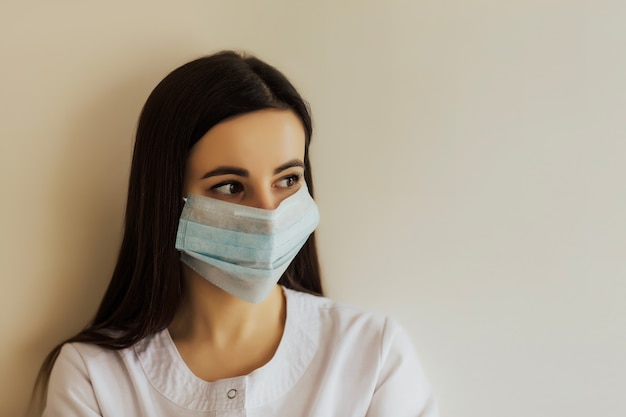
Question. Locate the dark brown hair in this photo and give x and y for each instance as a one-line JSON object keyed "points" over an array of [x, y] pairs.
{"points": [[146, 288]]}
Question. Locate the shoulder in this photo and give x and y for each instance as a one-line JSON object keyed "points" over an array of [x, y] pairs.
{"points": [[87, 362], [90, 380], [332, 311], [71, 389], [97, 365], [348, 325], [84, 355], [369, 352]]}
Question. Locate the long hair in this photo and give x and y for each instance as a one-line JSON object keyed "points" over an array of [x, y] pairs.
{"points": [[147, 286]]}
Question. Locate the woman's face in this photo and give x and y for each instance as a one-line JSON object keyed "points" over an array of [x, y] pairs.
{"points": [[255, 159]]}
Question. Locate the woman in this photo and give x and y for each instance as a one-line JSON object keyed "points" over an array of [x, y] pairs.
{"points": [[215, 306]]}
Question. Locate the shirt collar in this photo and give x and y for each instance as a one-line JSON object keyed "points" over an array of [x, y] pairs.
{"points": [[169, 374]]}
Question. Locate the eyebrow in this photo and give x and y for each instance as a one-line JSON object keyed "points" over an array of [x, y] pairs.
{"points": [[227, 170], [291, 164]]}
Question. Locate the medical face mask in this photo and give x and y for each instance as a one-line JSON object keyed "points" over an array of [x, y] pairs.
{"points": [[244, 250]]}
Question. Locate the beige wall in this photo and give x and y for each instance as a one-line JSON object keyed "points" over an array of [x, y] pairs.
{"points": [[469, 162]]}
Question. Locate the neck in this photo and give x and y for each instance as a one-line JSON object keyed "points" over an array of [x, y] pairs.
{"points": [[209, 314]]}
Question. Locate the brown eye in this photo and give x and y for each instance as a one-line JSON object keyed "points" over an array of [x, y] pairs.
{"points": [[289, 181], [228, 188]]}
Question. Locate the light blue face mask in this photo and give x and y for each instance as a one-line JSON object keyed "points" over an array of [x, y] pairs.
{"points": [[244, 250]]}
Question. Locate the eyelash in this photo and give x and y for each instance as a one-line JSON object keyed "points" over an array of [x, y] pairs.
{"points": [[294, 178], [216, 187]]}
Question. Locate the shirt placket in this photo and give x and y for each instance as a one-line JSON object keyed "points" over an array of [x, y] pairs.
{"points": [[231, 399]]}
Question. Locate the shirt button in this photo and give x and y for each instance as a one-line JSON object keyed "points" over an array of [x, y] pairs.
{"points": [[232, 393]]}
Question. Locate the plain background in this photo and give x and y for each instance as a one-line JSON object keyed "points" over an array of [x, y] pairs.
{"points": [[469, 159]]}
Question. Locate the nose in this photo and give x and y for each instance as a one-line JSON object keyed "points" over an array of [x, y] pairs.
{"points": [[264, 199]]}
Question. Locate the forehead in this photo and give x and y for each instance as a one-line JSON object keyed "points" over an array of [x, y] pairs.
{"points": [[268, 137]]}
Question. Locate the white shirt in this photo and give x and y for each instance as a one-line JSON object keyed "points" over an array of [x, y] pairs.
{"points": [[332, 360]]}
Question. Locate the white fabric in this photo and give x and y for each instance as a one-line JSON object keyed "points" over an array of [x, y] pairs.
{"points": [[333, 360]]}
